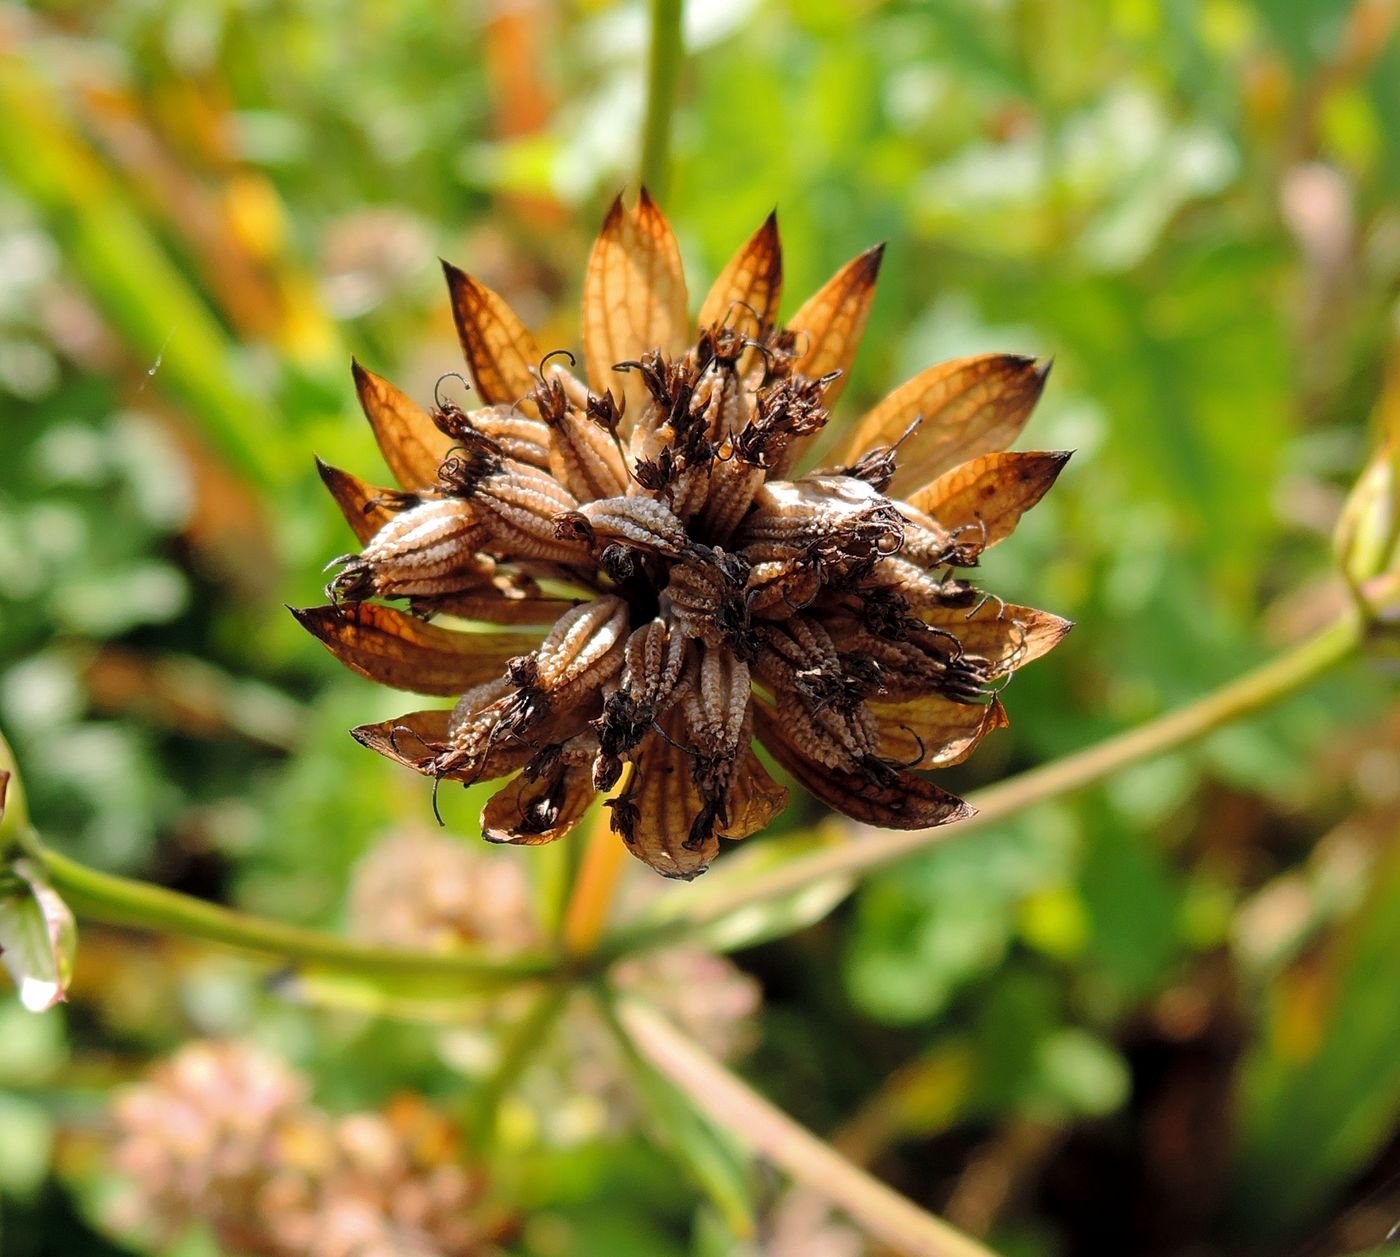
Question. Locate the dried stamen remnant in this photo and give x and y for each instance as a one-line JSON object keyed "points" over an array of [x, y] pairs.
{"points": [[654, 510]]}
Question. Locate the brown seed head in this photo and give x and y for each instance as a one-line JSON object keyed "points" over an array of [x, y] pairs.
{"points": [[658, 499]]}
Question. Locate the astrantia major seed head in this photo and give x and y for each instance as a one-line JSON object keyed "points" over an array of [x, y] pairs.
{"points": [[677, 583]]}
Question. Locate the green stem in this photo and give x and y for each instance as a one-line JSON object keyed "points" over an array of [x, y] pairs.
{"points": [[663, 71], [123, 901], [875, 849], [733, 1104]]}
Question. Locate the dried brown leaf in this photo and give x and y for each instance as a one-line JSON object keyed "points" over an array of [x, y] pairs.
{"points": [[755, 799], [499, 350], [409, 440], [831, 322], [1007, 635], [633, 298], [366, 508], [667, 804], [412, 740], [400, 651], [753, 278], [903, 802], [991, 492], [938, 730], [516, 812], [966, 407]]}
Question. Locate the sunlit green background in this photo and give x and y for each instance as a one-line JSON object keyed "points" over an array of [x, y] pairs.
{"points": [[1168, 1012]]}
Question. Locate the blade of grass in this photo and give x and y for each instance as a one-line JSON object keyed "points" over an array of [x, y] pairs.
{"points": [[124, 901], [518, 1045]]}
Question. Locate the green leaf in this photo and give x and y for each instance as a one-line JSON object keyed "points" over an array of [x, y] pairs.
{"points": [[37, 936], [25, 1149]]}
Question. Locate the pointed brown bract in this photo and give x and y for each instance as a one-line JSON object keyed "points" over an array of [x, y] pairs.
{"points": [[529, 812], [753, 278], [667, 804], [934, 732], [366, 509], [755, 799], [991, 493], [409, 440], [500, 352], [830, 323], [964, 408], [674, 559], [1009, 637], [898, 800], [404, 653], [413, 740], [633, 298]]}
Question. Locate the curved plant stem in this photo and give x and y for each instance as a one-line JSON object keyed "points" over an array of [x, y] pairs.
{"points": [[874, 849], [123, 901], [663, 70], [729, 1101]]}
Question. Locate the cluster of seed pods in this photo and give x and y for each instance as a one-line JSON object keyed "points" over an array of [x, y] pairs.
{"points": [[662, 580]]}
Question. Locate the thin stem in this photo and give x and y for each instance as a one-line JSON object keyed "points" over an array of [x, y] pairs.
{"points": [[726, 1099], [875, 849], [663, 71], [123, 901]]}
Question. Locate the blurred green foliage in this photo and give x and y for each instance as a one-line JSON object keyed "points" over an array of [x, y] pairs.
{"points": [[205, 208]]}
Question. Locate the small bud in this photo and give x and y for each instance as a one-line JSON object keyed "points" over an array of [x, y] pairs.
{"points": [[1367, 536]]}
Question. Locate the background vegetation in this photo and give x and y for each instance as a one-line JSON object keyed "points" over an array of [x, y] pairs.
{"points": [[1157, 1017]]}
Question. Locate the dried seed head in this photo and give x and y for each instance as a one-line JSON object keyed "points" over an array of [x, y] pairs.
{"points": [[648, 518]]}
